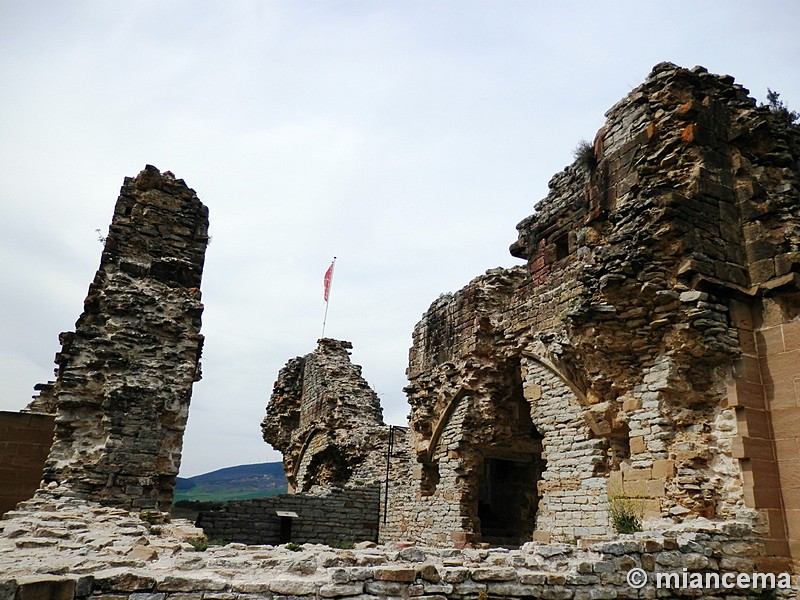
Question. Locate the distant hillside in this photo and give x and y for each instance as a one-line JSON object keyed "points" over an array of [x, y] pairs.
{"points": [[233, 483]]}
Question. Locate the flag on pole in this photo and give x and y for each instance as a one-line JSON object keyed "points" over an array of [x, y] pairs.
{"points": [[327, 285], [328, 280]]}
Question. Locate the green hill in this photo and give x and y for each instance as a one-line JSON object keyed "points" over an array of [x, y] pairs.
{"points": [[233, 483]]}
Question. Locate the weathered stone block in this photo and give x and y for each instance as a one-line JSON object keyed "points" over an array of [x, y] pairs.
{"points": [[335, 590], [494, 574], [292, 587], [384, 588], [395, 574]]}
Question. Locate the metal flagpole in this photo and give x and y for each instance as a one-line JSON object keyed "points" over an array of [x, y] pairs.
{"points": [[328, 283]]}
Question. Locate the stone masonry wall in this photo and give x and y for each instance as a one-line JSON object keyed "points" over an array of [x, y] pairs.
{"points": [[326, 420], [681, 217], [422, 498], [61, 547], [125, 375], [335, 517], [573, 486]]}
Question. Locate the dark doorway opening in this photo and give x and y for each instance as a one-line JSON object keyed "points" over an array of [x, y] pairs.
{"points": [[505, 467], [508, 499]]}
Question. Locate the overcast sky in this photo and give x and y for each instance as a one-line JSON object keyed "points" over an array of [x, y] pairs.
{"points": [[408, 138]]}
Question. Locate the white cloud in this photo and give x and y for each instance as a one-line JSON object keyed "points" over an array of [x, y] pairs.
{"points": [[407, 138]]}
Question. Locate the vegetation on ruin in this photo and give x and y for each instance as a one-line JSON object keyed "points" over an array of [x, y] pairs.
{"points": [[625, 512], [778, 108], [584, 155], [294, 547], [203, 544]]}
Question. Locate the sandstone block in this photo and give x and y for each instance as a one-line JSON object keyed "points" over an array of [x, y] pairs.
{"points": [[637, 445], [494, 574], [384, 588], [395, 574], [663, 469], [335, 590], [292, 587]]}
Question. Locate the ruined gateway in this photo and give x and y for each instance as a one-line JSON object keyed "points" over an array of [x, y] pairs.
{"points": [[648, 348]]}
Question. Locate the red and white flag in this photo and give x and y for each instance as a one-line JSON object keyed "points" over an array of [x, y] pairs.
{"points": [[328, 280]]}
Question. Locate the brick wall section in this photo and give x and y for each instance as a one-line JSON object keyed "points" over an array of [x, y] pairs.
{"points": [[334, 516], [25, 440]]}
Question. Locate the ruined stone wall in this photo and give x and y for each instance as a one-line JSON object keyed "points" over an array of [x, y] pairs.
{"points": [[336, 517], [125, 375], [423, 500], [675, 561], [25, 441], [62, 547], [572, 487], [326, 420], [623, 323]]}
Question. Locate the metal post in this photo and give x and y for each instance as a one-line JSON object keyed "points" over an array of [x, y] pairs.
{"points": [[388, 459]]}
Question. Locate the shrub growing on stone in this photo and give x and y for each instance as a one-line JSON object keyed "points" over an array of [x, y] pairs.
{"points": [[778, 108], [584, 155], [625, 512]]}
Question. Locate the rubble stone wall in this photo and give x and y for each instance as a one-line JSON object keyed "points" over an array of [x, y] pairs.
{"points": [[125, 375], [683, 215], [25, 441], [572, 487], [422, 499], [61, 547], [336, 517], [326, 420]]}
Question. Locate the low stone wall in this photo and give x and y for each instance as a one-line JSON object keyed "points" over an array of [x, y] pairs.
{"points": [[58, 546], [681, 563], [25, 440], [337, 517]]}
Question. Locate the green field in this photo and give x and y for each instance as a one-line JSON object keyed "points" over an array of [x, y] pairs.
{"points": [[199, 493], [242, 482]]}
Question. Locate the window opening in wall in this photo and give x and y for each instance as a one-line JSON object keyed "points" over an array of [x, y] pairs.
{"points": [[562, 247], [430, 479]]}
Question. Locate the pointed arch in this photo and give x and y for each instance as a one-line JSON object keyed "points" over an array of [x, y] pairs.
{"points": [[444, 419], [580, 394]]}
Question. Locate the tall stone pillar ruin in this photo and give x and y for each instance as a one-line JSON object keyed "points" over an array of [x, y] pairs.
{"points": [[326, 420], [125, 375]]}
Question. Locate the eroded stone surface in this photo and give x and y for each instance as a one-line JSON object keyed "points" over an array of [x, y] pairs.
{"points": [[623, 358], [326, 420], [125, 375], [68, 547]]}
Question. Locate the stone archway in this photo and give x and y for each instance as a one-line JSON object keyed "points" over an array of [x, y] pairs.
{"points": [[573, 489]]}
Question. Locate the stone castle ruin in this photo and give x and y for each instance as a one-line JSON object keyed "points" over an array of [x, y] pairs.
{"points": [[125, 375], [326, 420], [648, 348], [644, 355]]}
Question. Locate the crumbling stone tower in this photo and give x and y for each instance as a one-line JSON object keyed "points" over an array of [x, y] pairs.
{"points": [[326, 420], [649, 346], [125, 375]]}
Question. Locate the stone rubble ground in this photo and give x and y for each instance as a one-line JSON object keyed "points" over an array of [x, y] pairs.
{"points": [[58, 535]]}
